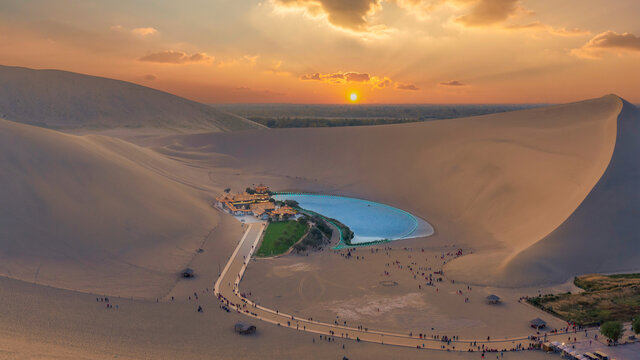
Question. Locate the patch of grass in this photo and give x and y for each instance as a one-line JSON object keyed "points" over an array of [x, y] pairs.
{"points": [[280, 236], [606, 298]]}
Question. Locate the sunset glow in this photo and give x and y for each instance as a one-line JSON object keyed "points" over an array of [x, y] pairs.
{"points": [[311, 52], [353, 97]]}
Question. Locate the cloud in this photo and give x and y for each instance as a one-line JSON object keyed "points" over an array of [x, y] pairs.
{"points": [[452, 83], [351, 14], [405, 86], [357, 77], [496, 13], [488, 12], [382, 84], [140, 32], [356, 16], [338, 77], [150, 77], [176, 57], [341, 78], [143, 31], [608, 41]]}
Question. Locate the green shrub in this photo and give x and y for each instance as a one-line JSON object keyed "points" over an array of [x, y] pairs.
{"points": [[612, 330]]}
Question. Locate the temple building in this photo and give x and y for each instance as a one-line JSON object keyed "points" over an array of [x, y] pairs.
{"points": [[256, 202]]}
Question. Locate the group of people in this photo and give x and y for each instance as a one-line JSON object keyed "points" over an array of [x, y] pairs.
{"points": [[108, 304]]}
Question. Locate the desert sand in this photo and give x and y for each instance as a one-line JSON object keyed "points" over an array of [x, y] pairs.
{"points": [[496, 185], [521, 193], [93, 214]]}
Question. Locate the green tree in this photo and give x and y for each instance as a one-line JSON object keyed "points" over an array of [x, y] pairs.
{"points": [[612, 329], [635, 325]]}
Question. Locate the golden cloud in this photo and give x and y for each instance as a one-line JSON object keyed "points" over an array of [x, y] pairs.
{"points": [[338, 78], [608, 41], [383, 84], [176, 57], [143, 31]]}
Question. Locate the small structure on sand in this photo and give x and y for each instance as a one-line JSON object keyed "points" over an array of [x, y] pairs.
{"points": [[493, 299], [243, 328], [538, 323], [187, 273]]}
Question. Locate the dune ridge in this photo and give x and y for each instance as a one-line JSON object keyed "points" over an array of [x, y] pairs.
{"points": [[65, 100], [603, 233]]}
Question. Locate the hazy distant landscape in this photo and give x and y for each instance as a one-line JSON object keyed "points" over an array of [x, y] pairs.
{"points": [[315, 115]]}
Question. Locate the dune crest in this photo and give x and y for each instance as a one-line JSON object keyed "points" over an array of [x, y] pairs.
{"points": [[65, 100], [603, 234]]}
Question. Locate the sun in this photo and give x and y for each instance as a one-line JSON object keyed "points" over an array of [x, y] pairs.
{"points": [[353, 97]]}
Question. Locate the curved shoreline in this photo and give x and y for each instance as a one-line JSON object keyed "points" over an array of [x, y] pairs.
{"points": [[417, 221]]}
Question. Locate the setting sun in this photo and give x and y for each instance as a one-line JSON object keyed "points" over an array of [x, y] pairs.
{"points": [[353, 97]]}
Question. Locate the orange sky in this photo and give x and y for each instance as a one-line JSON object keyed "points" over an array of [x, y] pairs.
{"points": [[319, 51]]}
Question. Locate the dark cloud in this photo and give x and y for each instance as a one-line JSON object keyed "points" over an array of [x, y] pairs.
{"points": [[607, 41], [150, 77], [452, 83], [348, 14], [489, 12], [175, 57], [401, 86]]}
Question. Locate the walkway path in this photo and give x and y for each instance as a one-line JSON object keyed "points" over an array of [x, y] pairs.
{"points": [[227, 290]]}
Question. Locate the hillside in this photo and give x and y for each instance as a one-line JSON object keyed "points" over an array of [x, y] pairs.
{"points": [[94, 214], [66, 100]]}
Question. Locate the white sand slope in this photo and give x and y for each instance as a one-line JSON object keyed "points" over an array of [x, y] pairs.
{"points": [[92, 214], [496, 184], [61, 99]]}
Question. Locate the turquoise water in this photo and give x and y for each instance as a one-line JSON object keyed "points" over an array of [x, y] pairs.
{"points": [[369, 221]]}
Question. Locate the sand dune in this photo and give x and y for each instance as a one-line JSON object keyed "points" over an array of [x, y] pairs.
{"points": [[61, 99], [537, 195], [602, 235], [496, 184], [94, 214]]}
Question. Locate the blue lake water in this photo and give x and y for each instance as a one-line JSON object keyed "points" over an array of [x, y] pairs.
{"points": [[369, 221]]}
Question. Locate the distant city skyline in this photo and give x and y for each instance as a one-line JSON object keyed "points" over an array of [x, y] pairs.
{"points": [[332, 51]]}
